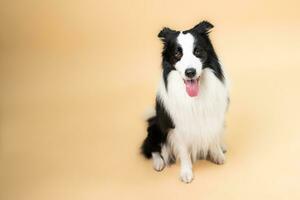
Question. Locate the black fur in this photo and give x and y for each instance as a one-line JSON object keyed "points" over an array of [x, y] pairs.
{"points": [[158, 128], [200, 32], [159, 125]]}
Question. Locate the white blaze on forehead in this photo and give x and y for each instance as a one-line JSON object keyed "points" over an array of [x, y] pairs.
{"points": [[188, 59], [186, 42]]}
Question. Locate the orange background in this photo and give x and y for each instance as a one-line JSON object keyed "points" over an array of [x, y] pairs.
{"points": [[77, 76]]}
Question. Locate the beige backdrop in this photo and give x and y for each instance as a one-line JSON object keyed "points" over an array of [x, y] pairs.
{"points": [[77, 76]]}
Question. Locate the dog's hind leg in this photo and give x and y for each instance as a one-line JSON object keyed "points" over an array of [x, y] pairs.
{"points": [[223, 147], [216, 154], [154, 139], [158, 162]]}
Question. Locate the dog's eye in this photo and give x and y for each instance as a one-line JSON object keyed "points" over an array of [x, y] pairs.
{"points": [[178, 53], [198, 52]]}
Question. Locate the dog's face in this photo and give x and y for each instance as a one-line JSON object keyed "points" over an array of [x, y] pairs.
{"points": [[187, 52]]}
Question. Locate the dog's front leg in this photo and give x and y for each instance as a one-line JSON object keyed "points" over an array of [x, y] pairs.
{"points": [[186, 173], [180, 149]]}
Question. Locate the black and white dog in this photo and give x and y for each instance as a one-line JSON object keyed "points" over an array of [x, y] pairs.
{"points": [[191, 102]]}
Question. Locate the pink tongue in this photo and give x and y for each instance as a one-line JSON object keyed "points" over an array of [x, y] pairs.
{"points": [[192, 87]]}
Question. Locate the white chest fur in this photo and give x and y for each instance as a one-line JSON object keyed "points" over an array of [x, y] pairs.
{"points": [[198, 120]]}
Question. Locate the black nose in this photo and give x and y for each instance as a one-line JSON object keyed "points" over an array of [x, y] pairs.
{"points": [[190, 72]]}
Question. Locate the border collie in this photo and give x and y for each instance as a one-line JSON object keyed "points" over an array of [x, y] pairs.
{"points": [[191, 103]]}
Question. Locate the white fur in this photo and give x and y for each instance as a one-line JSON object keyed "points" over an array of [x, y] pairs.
{"points": [[188, 59], [198, 120], [158, 162]]}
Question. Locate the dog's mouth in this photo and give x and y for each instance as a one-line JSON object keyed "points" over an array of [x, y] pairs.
{"points": [[192, 87]]}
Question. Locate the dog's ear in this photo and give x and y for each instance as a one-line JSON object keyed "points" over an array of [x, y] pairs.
{"points": [[203, 27], [165, 32]]}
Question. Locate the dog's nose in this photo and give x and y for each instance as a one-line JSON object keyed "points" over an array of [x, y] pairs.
{"points": [[190, 72]]}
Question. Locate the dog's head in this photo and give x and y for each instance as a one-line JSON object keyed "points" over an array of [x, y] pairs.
{"points": [[188, 52]]}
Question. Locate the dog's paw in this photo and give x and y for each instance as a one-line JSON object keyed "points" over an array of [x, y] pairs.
{"points": [[218, 159], [158, 163], [186, 176], [224, 148]]}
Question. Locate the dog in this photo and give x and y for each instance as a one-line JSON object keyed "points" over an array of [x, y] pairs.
{"points": [[191, 103]]}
